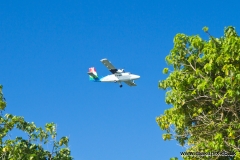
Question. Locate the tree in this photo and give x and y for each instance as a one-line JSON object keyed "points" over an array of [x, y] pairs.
{"points": [[33, 147], [204, 91]]}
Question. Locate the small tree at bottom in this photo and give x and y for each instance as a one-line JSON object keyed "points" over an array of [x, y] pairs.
{"points": [[32, 148]]}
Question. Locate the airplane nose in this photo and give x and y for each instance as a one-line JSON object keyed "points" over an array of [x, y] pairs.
{"points": [[136, 76]]}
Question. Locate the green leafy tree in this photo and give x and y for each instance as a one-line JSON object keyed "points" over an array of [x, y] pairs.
{"points": [[31, 148], [204, 91]]}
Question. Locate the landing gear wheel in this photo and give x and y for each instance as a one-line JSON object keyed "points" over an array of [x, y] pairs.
{"points": [[120, 86]]}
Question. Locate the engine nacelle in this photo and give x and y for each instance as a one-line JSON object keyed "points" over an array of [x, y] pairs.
{"points": [[120, 71]]}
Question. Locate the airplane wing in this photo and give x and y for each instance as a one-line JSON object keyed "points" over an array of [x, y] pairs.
{"points": [[109, 65], [130, 83]]}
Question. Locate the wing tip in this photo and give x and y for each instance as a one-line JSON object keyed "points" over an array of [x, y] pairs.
{"points": [[103, 59]]}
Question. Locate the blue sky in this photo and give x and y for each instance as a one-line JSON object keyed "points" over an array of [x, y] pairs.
{"points": [[47, 47]]}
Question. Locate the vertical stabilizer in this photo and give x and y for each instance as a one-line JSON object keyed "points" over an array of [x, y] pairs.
{"points": [[93, 70], [93, 74]]}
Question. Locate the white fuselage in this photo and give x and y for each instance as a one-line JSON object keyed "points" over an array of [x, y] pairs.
{"points": [[119, 77]]}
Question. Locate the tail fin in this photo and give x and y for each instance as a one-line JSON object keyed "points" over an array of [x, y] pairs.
{"points": [[93, 74]]}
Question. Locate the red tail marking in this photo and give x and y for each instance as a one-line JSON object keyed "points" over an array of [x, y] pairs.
{"points": [[92, 69]]}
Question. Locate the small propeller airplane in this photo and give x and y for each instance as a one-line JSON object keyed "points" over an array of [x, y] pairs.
{"points": [[117, 76]]}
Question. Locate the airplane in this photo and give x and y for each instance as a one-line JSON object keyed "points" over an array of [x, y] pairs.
{"points": [[117, 76]]}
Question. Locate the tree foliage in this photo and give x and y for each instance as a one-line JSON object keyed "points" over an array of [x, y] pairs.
{"points": [[31, 148], [204, 91]]}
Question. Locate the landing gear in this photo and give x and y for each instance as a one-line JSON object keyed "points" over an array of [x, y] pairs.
{"points": [[120, 84]]}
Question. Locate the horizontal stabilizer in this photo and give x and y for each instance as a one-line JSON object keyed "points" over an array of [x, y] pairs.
{"points": [[92, 75]]}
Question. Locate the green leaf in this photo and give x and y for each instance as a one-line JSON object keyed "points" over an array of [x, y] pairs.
{"points": [[32, 156], [205, 29], [200, 110], [165, 70], [238, 76], [166, 136], [64, 140]]}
